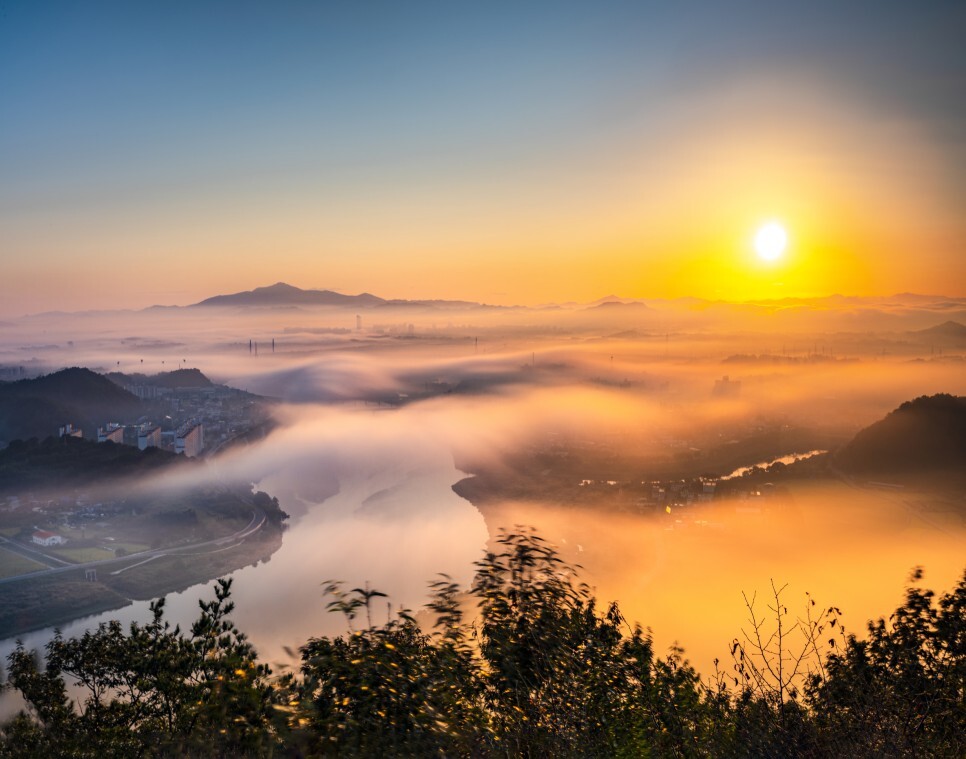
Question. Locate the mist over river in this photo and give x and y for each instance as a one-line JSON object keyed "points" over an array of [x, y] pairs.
{"points": [[368, 486], [392, 520], [370, 498]]}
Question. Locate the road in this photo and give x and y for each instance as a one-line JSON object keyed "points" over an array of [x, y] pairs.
{"points": [[218, 544], [32, 553]]}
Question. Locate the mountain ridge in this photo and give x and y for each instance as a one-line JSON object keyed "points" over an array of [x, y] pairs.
{"points": [[37, 407], [282, 293], [949, 332], [927, 434]]}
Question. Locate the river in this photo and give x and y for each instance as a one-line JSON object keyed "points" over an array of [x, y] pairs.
{"points": [[371, 499], [395, 523]]}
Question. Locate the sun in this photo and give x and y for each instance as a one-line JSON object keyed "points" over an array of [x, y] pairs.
{"points": [[770, 241]]}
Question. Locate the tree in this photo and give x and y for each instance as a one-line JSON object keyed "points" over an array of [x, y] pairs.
{"points": [[902, 691], [146, 692], [390, 690], [539, 671]]}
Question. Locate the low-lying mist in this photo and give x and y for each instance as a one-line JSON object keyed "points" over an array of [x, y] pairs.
{"points": [[375, 426], [684, 578]]}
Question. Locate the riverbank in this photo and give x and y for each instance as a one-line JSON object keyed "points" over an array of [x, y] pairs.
{"points": [[34, 602]]}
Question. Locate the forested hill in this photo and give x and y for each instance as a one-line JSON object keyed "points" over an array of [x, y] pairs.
{"points": [[37, 407], [927, 434], [179, 378], [73, 462]]}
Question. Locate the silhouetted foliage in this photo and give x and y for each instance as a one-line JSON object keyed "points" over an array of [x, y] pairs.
{"points": [[538, 671], [902, 690], [150, 691], [269, 505]]}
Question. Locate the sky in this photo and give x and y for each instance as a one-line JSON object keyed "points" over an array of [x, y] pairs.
{"points": [[499, 152]]}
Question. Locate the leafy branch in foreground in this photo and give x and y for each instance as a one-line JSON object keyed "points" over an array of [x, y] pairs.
{"points": [[902, 690], [150, 691], [538, 670]]}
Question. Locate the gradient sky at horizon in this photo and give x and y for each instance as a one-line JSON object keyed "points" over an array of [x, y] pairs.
{"points": [[508, 153]]}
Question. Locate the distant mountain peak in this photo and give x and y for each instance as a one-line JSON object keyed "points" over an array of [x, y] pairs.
{"points": [[620, 305], [284, 294], [949, 333], [949, 327]]}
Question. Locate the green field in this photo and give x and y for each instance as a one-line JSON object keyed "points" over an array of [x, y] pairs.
{"points": [[83, 555], [71, 533], [14, 564], [129, 547]]}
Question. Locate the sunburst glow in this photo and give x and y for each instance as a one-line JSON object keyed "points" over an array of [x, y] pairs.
{"points": [[770, 241]]}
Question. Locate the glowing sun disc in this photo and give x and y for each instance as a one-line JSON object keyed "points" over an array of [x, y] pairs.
{"points": [[770, 241]]}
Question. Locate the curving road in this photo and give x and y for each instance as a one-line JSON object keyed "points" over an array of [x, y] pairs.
{"points": [[217, 544]]}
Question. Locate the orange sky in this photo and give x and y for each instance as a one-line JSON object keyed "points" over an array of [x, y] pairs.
{"points": [[585, 164]]}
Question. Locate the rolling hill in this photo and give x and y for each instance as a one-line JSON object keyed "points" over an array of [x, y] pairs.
{"points": [[281, 294], [37, 407], [924, 435], [948, 333], [179, 378]]}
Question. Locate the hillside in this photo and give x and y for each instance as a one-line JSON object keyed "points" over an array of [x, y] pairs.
{"points": [[948, 333], [179, 378], [72, 462], [927, 434], [37, 407], [107, 502], [281, 294]]}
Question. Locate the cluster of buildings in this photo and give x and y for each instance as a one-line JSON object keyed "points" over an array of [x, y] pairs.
{"points": [[113, 433], [680, 492], [726, 388], [68, 430], [183, 420], [188, 439], [218, 412], [655, 494], [13, 373]]}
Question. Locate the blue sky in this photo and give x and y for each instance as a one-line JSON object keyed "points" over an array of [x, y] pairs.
{"points": [[122, 122]]}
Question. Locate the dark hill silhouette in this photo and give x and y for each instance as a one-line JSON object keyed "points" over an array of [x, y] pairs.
{"points": [[437, 304], [281, 294], [927, 434], [178, 378], [606, 299], [70, 462], [37, 407], [947, 333], [32, 417], [613, 305], [182, 378]]}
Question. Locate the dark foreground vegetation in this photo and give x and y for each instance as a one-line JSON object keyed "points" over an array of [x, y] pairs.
{"points": [[541, 672]]}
